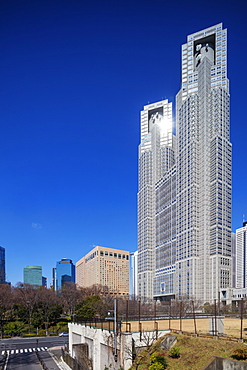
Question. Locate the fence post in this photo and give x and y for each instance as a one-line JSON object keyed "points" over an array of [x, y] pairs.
{"points": [[127, 313], [194, 315], [180, 314], [241, 318], [170, 311], [215, 318]]}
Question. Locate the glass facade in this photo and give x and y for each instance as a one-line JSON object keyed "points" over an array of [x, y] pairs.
{"points": [[2, 265], [65, 273], [33, 275]]}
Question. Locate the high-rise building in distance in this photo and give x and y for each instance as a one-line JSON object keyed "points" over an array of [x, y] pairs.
{"points": [[105, 267], [241, 257], [184, 197], [64, 273], [2, 266], [32, 275]]}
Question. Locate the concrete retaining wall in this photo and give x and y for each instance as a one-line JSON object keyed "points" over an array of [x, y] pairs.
{"points": [[100, 344], [220, 363]]}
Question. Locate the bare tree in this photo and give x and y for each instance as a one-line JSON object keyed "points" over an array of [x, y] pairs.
{"points": [[5, 303], [48, 305], [70, 296], [27, 295]]}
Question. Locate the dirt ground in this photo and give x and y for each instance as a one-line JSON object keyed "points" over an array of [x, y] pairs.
{"points": [[231, 326]]}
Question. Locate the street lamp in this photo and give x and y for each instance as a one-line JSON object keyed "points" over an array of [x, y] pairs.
{"points": [[115, 328]]}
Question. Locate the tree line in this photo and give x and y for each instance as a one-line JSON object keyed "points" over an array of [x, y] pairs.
{"points": [[35, 309]]}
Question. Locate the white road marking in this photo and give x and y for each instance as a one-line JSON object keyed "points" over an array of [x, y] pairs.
{"points": [[21, 350], [6, 363]]}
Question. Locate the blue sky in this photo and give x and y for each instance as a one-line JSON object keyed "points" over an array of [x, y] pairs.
{"points": [[74, 76]]}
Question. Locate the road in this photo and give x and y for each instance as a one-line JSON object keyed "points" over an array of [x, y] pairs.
{"points": [[21, 352]]}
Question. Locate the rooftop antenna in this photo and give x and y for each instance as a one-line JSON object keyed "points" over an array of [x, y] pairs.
{"points": [[243, 218]]}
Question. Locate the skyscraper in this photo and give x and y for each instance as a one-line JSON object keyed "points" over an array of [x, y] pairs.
{"points": [[190, 253], [64, 273], [32, 275], [156, 158], [2, 265], [241, 257], [203, 167]]}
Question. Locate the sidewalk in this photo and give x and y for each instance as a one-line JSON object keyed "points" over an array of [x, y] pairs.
{"points": [[56, 356]]}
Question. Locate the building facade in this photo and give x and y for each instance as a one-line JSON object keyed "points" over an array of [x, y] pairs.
{"points": [[241, 257], [32, 275], [64, 273], [203, 167], [134, 274], [156, 157], [234, 260], [107, 267], [2, 266], [184, 209]]}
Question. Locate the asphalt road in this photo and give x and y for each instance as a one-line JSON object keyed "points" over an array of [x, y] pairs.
{"points": [[21, 352]]}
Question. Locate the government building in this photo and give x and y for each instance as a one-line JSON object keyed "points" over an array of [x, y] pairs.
{"points": [[184, 191]]}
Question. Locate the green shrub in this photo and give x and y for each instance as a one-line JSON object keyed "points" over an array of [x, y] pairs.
{"points": [[239, 354], [158, 361], [156, 366], [174, 352], [14, 328]]}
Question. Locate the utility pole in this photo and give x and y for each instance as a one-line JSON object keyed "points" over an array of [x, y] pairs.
{"points": [[115, 329]]}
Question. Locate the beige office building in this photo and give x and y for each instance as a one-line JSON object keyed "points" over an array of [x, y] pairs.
{"points": [[107, 267]]}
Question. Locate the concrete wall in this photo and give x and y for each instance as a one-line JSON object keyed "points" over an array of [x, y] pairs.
{"points": [[220, 363], [101, 344]]}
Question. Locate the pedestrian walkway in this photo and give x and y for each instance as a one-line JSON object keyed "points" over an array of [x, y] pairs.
{"points": [[23, 350], [56, 354], [48, 360]]}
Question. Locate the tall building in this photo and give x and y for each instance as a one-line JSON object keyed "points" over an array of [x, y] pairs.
{"points": [[134, 274], [156, 158], [107, 267], [2, 265], [204, 167], [64, 273], [184, 209], [241, 257], [234, 260], [44, 281], [32, 275]]}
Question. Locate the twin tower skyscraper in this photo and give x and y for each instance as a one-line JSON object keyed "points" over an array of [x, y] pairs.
{"points": [[184, 190]]}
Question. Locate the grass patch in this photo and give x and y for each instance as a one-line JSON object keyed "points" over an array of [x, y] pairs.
{"points": [[194, 353]]}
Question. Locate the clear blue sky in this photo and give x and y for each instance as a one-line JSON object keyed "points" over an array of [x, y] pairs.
{"points": [[74, 76]]}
